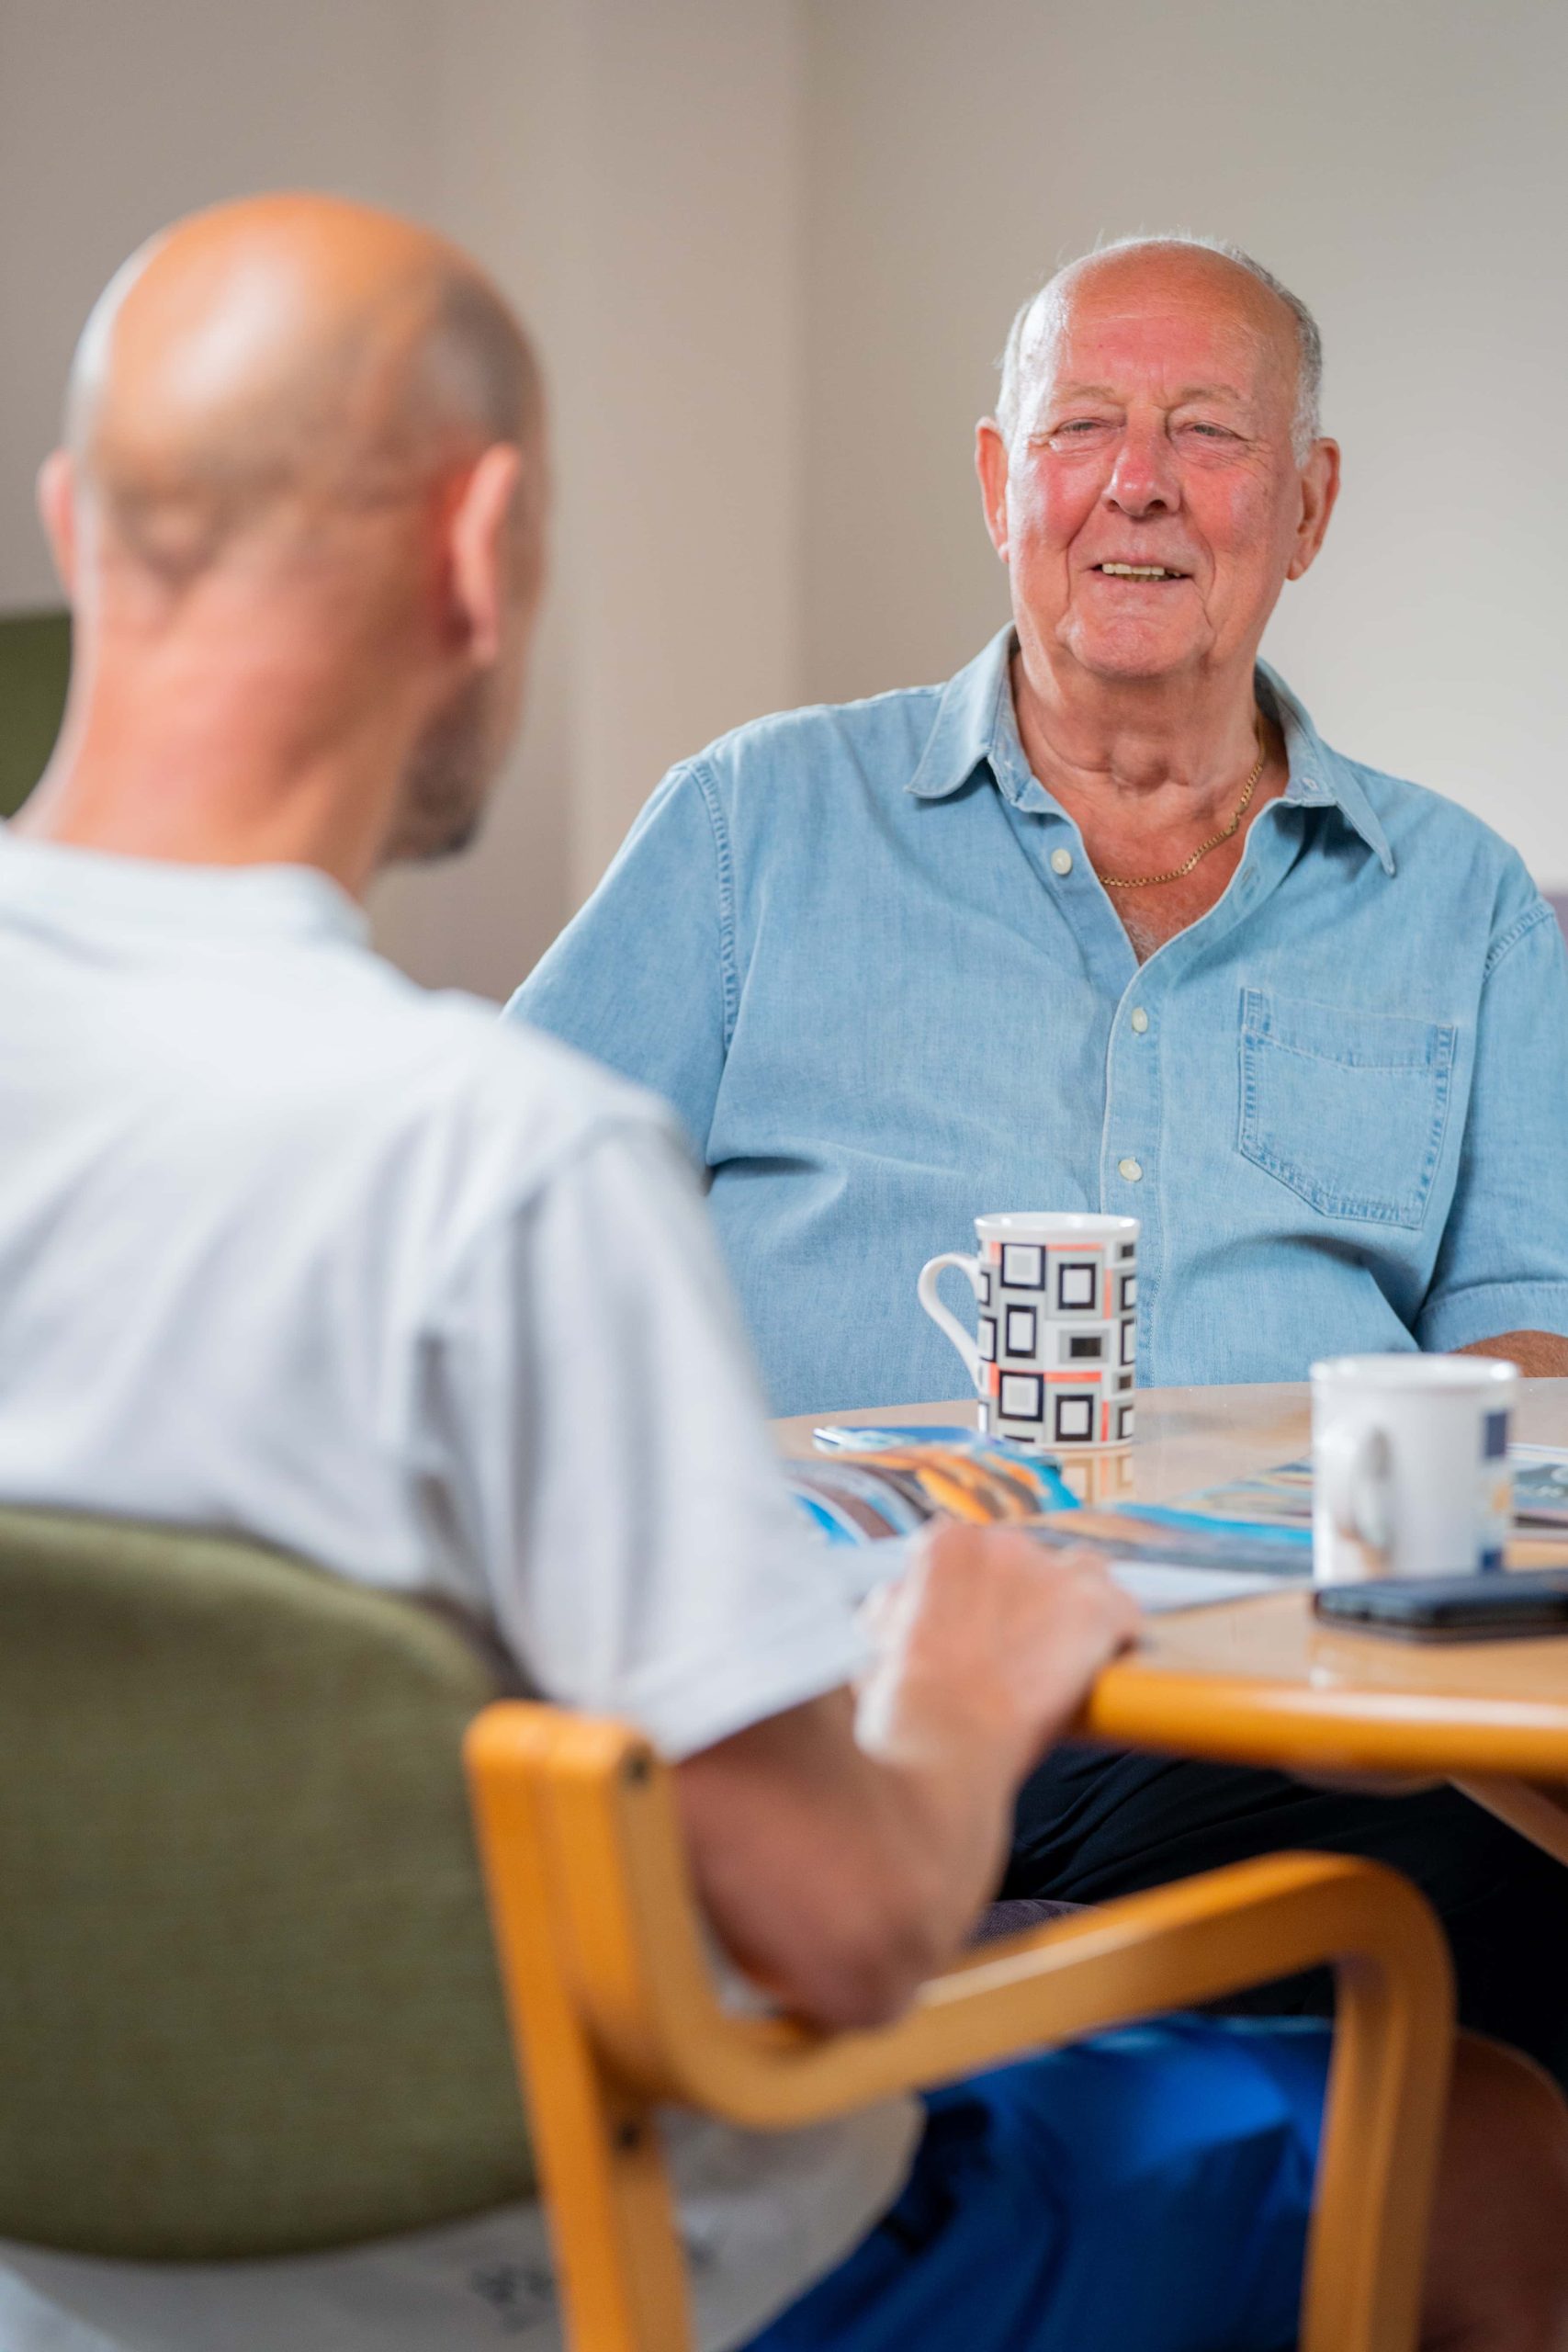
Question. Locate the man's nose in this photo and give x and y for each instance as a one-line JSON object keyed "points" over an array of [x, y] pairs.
{"points": [[1144, 480]]}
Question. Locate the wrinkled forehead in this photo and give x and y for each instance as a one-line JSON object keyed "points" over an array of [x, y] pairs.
{"points": [[1163, 334]]}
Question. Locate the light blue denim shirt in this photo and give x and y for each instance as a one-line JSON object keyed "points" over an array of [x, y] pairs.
{"points": [[863, 954]]}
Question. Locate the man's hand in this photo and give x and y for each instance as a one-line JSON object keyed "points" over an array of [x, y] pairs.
{"points": [[990, 1642], [844, 1855]]}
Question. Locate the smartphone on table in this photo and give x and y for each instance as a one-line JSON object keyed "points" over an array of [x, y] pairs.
{"points": [[1521, 1604]]}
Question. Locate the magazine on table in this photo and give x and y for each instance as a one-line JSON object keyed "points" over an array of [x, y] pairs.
{"points": [[866, 1485], [1540, 1486], [871, 1483], [1277, 1504]]}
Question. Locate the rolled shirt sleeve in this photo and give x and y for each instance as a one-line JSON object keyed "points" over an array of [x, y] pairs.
{"points": [[643, 979], [1503, 1265]]}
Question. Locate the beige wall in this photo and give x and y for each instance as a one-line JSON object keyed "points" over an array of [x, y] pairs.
{"points": [[772, 249], [632, 173], [115, 114], [1399, 162]]}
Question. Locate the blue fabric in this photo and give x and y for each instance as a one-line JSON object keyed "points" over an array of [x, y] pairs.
{"points": [[836, 942], [1146, 2192]]}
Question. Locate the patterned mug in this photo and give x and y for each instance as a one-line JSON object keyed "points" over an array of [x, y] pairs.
{"points": [[1054, 1363]]}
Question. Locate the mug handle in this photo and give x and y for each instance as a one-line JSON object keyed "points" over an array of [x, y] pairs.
{"points": [[925, 1290], [1355, 1467]]}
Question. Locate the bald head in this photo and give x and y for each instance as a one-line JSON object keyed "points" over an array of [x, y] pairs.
{"points": [[300, 512], [1207, 271], [265, 367]]}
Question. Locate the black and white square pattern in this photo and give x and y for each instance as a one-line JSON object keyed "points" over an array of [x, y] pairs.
{"points": [[1130, 1340], [1128, 1250], [984, 1285], [1128, 1295], [1082, 1347], [1022, 1325], [1077, 1285], [1073, 1418], [1124, 1422], [987, 1339], [1023, 1265], [1124, 1380], [1023, 1396]]}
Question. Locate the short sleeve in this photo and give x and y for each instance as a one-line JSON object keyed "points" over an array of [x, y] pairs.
{"points": [[641, 979], [597, 1451], [1503, 1264]]}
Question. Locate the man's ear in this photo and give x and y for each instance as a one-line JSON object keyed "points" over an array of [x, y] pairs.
{"points": [[484, 548], [57, 512], [991, 465], [1320, 489]]}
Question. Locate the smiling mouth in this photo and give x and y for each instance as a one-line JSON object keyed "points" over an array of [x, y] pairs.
{"points": [[1139, 572]]}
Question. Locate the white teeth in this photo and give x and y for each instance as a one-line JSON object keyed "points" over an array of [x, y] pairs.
{"points": [[1139, 572]]}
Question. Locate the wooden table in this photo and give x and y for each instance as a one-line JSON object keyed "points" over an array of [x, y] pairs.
{"points": [[1262, 1681]]}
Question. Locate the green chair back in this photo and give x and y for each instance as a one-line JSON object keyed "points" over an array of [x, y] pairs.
{"points": [[35, 663], [248, 2000]]}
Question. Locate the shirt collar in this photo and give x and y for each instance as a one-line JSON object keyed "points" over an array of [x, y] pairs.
{"points": [[972, 719], [1322, 778], [976, 725], [255, 903]]}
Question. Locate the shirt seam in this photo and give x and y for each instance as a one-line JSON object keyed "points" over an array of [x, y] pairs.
{"points": [[520, 1197], [1520, 928], [729, 978]]}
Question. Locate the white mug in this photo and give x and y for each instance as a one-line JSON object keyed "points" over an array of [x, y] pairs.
{"points": [[1410, 1466], [1055, 1363]]}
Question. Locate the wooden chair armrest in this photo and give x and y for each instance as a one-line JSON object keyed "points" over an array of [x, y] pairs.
{"points": [[592, 1806]]}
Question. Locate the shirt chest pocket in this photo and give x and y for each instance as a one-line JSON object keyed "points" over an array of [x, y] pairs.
{"points": [[1348, 1108]]}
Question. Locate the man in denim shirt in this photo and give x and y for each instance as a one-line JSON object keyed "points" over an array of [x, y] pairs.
{"points": [[1104, 924]]}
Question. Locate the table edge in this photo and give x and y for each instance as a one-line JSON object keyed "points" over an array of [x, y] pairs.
{"points": [[1240, 1718]]}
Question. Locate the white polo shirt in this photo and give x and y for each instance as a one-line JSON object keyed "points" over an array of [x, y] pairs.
{"points": [[289, 1246]]}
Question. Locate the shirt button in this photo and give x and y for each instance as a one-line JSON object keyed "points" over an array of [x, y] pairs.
{"points": [[1140, 1019], [1130, 1170], [1061, 861]]}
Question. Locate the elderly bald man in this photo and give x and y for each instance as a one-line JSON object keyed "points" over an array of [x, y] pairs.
{"points": [[1103, 924], [286, 1246]]}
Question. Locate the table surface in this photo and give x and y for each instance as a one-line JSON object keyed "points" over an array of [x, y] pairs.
{"points": [[1262, 1680]]}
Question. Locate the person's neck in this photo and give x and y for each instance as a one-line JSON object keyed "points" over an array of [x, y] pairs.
{"points": [[1150, 751], [1164, 786], [170, 760]]}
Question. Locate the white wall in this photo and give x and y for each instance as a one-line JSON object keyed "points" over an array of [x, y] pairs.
{"points": [[117, 115], [631, 173], [771, 251], [1399, 162]]}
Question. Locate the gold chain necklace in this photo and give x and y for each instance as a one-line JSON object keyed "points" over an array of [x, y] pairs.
{"points": [[1149, 881]]}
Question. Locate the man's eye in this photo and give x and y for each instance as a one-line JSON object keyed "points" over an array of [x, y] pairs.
{"points": [[1076, 427], [1209, 431]]}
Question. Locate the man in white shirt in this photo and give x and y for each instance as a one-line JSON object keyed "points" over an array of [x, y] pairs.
{"points": [[287, 1246]]}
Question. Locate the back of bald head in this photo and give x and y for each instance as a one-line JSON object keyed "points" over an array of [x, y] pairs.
{"points": [[262, 371]]}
